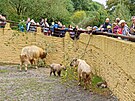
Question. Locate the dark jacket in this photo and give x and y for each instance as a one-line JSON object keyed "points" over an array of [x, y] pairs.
{"points": [[131, 31], [105, 26]]}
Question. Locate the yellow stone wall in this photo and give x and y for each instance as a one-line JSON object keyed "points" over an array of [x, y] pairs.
{"points": [[110, 58]]}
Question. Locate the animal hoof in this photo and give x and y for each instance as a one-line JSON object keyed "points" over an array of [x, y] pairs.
{"points": [[85, 88], [79, 84]]}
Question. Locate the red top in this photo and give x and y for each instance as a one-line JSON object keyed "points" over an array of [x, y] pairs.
{"points": [[119, 30]]}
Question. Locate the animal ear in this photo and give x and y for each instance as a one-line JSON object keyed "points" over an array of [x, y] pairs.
{"points": [[25, 55], [75, 59], [60, 64], [45, 53]]}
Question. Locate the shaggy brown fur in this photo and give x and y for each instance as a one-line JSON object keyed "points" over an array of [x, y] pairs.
{"points": [[56, 68], [84, 71], [31, 55]]}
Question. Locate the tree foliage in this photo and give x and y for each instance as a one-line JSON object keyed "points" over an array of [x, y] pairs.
{"points": [[122, 12], [112, 4], [78, 17]]}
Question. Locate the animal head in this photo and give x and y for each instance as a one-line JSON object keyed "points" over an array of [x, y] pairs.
{"points": [[63, 67], [74, 63], [44, 54]]}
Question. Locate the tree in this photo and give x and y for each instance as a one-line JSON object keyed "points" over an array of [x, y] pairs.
{"points": [[111, 5], [51, 9], [78, 16], [81, 4], [122, 12]]}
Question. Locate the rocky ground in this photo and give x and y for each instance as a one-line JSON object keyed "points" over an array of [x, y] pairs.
{"points": [[37, 85]]}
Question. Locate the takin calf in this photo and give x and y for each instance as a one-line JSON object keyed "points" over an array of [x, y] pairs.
{"points": [[84, 71], [56, 68], [31, 55]]}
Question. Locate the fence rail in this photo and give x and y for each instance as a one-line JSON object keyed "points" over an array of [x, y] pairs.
{"points": [[130, 38]]}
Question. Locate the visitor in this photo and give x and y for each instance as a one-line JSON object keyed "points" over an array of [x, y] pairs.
{"points": [[2, 21], [124, 30], [117, 20], [21, 25], [42, 22], [52, 28], [63, 31], [59, 24], [46, 23], [132, 28], [77, 33], [115, 26], [95, 28], [71, 33], [109, 29], [107, 23], [56, 25], [28, 24], [32, 26]]}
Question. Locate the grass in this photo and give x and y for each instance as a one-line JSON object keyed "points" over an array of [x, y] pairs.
{"points": [[4, 64], [40, 64], [3, 71]]}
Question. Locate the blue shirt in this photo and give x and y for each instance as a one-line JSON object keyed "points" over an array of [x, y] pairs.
{"points": [[125, 30]]}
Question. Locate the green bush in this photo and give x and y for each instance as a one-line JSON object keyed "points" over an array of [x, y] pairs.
{"points": [[78, 16]]}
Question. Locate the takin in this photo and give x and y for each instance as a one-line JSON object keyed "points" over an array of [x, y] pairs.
{"points": [[56, 68], [84, 71], [31, 55]]}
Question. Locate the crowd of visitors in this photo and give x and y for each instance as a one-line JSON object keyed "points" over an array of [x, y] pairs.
{"points": [[118, 27]]}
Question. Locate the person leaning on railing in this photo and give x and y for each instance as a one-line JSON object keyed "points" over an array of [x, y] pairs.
{"points": [[2, 21], [123, 29], [32, 27], [106, 27], [132, 28], [28, 24]]}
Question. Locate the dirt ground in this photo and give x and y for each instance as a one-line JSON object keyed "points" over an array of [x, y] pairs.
{"points": [[37, 85]]}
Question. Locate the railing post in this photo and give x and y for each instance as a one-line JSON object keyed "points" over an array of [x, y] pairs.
{"points": [[38, 29], [7, 26]]}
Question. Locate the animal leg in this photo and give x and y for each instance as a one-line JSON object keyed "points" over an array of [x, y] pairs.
{"points": [[51, 72], [59, 72], [21, 66], [32, 62], [85, 84], [87, 81], [26, 67], [54, 73], [35, 62], [79, 77]]}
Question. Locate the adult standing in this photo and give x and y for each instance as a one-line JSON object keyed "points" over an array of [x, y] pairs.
{"points": [[132, 28], [28, 24], [116, 26], [106, 25]]}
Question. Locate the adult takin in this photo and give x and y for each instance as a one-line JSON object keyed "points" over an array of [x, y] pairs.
{"points": [[31, 55], [84, 71], [56, 68]]}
